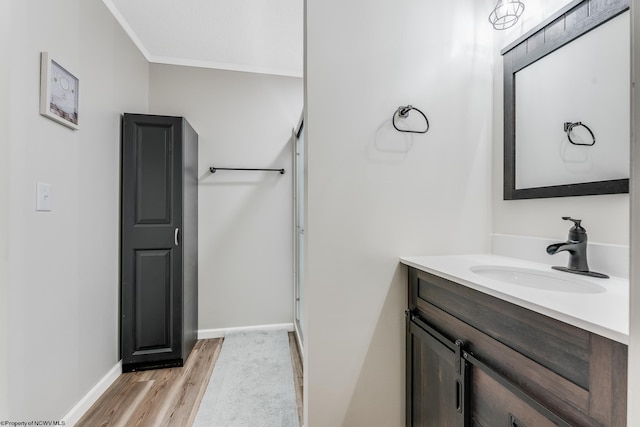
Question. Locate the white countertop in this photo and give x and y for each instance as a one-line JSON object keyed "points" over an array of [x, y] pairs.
{"points": [[605, 313]]}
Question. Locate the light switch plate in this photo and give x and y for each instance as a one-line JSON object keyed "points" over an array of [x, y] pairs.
{"points": [[44, 197]]}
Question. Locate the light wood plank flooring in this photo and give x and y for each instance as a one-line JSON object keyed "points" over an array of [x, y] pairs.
{"points": [[168, 397]]}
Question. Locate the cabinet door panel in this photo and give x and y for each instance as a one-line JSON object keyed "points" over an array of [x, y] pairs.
{"points": [[152, 295], [494, 405], [153, 167], [432, 381]]}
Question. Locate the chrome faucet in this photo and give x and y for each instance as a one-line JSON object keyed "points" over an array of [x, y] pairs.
{"points": [[576, 245]]}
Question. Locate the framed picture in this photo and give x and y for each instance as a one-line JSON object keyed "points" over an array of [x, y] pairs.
{"points": [[58, 92]]}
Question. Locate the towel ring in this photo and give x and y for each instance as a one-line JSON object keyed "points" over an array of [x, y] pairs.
{"points": [[403, 112], [568, 127]]}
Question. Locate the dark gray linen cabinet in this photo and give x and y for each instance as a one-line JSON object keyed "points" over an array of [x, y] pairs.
{"points": [[159, 241]]}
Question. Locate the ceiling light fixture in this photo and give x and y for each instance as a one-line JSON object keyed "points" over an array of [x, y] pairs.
{"points": [[506, 14]]}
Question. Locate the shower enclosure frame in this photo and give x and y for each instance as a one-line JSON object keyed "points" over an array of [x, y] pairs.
{"points": [[299, 222]]}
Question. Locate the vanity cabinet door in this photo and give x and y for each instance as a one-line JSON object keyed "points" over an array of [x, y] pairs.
{"points": [[447, 387], [435, 390]]}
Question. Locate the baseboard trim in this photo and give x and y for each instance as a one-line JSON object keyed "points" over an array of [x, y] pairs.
{"points": [[74, 415], [204, 334]]}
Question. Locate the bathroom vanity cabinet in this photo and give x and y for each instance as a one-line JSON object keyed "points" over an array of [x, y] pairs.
{"points": [[476, 360]]}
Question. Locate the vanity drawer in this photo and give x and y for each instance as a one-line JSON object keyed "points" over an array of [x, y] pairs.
{"points": [[575, 373]]}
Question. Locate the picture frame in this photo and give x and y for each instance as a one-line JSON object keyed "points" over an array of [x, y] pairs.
{"points": [[59, 92]]}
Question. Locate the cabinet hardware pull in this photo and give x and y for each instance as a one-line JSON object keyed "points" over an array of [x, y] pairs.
{"points": [[458, 396], [175, 236]]}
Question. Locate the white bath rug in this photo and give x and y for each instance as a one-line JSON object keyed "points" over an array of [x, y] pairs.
{"points": [[251, 384]]}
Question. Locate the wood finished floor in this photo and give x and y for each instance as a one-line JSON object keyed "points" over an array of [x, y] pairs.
{"points": [[168, 397]]}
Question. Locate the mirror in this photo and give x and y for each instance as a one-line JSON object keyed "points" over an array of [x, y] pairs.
{"points": [[566, 104]]}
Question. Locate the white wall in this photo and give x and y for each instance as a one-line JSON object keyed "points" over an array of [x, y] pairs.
{"points": [[245, 218], [606, 217], [63, 264], [375, 194], [5, 31]]}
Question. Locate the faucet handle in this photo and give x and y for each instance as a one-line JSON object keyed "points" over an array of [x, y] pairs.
{"points": [[577, 232], [575, 221]]}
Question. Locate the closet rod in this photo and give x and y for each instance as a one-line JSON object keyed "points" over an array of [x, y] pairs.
{"points": [[213, 169]]}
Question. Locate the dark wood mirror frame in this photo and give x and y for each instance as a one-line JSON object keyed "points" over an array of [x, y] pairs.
{"points": [[569, 23]]}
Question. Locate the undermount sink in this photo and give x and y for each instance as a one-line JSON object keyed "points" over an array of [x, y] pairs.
{"points": [[538, 279]]}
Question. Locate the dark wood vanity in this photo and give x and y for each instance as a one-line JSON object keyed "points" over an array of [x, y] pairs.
{"points": [[476, 360]]}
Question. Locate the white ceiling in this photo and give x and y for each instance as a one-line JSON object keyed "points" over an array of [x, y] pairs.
{"points": [[259, 36]]}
